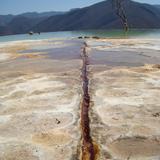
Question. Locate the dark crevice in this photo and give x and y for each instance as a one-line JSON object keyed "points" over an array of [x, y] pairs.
{"points": [[88, 148]]}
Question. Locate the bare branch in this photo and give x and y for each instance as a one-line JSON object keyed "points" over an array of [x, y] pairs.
{"points": [[120, 11]]}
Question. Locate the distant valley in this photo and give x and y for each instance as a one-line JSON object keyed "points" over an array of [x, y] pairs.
{"points": [[97, 16]]}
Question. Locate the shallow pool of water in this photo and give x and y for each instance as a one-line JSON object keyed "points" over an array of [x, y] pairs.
{"points": [[136, 33]]}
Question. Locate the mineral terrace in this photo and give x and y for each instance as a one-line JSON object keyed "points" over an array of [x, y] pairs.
{"points": [[41, 97]]}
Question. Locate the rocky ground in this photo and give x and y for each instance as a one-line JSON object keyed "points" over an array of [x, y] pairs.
{"points": [[41, 96], [39, 102], [125, 90]]}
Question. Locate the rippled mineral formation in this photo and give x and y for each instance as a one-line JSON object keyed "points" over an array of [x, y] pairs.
{"points": [[40, 101], [42, 85]]}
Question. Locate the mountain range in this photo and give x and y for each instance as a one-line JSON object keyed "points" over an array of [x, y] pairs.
{"points": [[98, 16]]}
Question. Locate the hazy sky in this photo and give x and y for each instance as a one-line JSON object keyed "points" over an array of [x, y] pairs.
{"points": [[20, 6]]}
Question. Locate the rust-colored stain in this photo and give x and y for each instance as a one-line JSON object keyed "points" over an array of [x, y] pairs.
{"points": [[89, 150]]}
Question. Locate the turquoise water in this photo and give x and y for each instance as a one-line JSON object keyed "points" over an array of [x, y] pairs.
{"points": [[143, 33]]}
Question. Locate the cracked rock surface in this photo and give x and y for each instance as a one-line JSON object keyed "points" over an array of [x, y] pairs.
{"points": [[41, 96]]}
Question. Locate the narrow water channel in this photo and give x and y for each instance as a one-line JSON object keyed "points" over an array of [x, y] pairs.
{"points": [[88, 149]]}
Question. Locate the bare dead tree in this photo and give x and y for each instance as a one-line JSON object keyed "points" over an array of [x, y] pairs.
{"points": [[120, 11]]}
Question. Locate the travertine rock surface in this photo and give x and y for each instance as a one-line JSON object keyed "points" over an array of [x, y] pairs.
{"points": [[125, 115], [41, 95], [40, 98]]}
